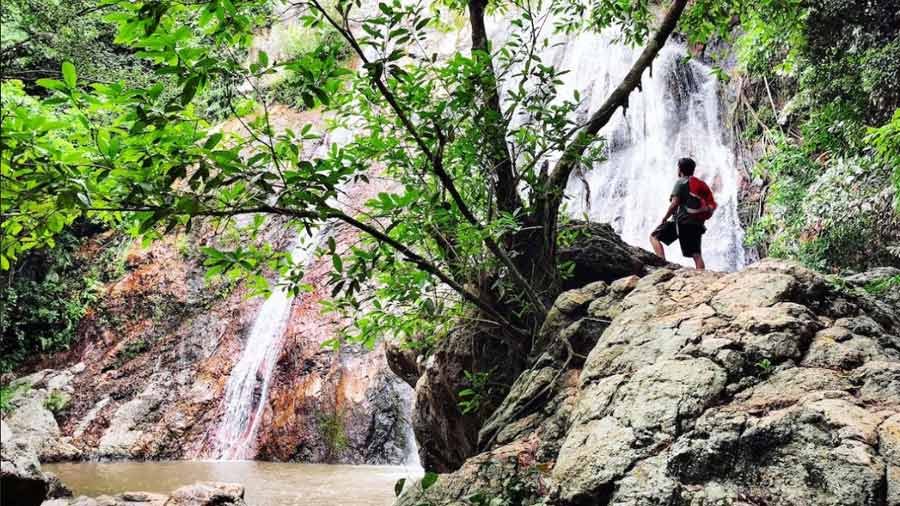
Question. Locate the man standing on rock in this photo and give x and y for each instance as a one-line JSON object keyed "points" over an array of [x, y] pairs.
{"points": [[692, 203]]}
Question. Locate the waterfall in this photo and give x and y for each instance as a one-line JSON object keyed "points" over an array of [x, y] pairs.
{"points": [[248, 385], [676, 114], [411, 459]]}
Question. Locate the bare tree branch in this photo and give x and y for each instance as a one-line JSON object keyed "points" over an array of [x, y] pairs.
{"points": [[559, 177]]}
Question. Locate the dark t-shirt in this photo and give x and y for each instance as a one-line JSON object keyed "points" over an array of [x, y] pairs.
{"points": [[683, 192]]}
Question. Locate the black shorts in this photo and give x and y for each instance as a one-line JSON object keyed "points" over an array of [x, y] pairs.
{"points": [[689, 236]]}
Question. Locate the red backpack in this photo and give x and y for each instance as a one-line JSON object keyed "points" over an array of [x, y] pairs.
{"points": [[701, 197]]}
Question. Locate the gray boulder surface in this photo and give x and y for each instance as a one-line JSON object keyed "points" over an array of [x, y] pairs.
{"points": [[21, 480], [446, 436], [771, 386]]}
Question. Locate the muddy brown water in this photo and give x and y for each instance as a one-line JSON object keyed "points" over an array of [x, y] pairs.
{"points": [[266, 483]]}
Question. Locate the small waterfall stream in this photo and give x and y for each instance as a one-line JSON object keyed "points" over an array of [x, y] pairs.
{"points": [[248, 385]]}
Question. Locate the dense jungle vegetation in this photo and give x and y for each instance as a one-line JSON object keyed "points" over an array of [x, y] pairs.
{"points": [[109, 114]]}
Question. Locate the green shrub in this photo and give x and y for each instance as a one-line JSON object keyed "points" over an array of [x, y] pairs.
{"points": [[331, 425], [7, 393], [472, 398], [833, 198], [47, 295], [883, 285], [56, 402], [313, 58]]}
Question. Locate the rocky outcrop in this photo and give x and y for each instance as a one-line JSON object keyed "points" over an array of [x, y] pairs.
{"points": [[445, 434], [883, 281], [769, 386], [22, 482], [31, 412], [207, 494], [599, 254], [198, 494]]}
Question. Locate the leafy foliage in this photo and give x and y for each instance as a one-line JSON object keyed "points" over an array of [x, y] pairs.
{"points": [[472, 397], [833, 195], [46, 298], [882, 286], [313, 71], [56, 401], [8, 392], [472, 183], [39, 35]]}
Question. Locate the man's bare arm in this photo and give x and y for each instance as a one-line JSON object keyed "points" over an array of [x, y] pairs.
{"points": [[672, 207]]}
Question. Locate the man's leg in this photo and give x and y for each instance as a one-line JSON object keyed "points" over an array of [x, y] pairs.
{"points": [[666, 233], [691, 240], [657, 247], [698, 262]]}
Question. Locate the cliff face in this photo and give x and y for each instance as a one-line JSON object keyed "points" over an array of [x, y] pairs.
{"points": [[147, 377], [768, 386]]}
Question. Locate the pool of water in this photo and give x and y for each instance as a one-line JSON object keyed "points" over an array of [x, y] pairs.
{"points": [[266, 483]]}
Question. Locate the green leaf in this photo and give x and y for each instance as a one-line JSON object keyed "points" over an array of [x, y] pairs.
{"points": [[338, 263], [189, 90], [51, 84], [55, 222], [213, 140], [69, 74], [398, 487], [4, 264], [428, 480]]}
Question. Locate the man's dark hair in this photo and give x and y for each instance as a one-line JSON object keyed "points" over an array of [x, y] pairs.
{"points": [[686, 166]]}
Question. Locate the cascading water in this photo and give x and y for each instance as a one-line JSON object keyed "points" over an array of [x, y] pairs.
{"points": [[676, 114], [248, 385]]}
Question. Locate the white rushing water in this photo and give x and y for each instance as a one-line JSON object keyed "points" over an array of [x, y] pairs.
{"points": [[248, 385], [676, 114]]}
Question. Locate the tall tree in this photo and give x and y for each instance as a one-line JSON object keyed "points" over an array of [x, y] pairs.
{"points": [[475, 206]]}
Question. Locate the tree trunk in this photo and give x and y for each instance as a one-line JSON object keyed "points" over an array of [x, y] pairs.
{"points": [[491, 117]]}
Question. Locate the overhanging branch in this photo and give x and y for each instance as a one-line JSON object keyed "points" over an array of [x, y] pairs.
{"points": [[559, 177]]}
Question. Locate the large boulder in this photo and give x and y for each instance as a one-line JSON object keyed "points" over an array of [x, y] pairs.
{"points": [[599, 254], [21, 480], [447, 436], [30, 415], [208, 494], [769, 386]]}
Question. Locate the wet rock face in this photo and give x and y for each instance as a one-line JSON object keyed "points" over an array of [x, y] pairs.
{"points": [[343, 406], [767, 386]]}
